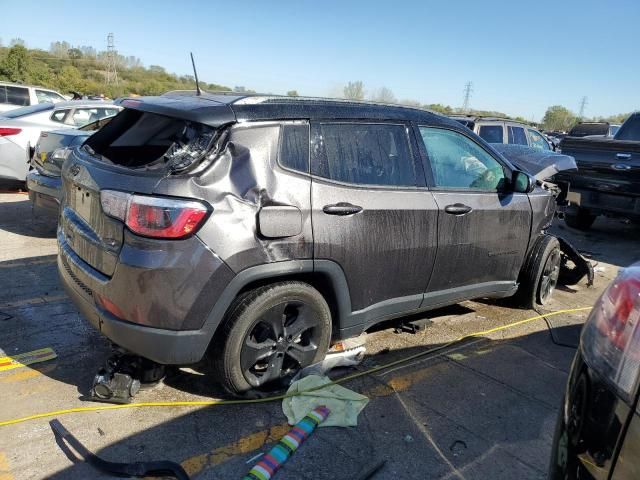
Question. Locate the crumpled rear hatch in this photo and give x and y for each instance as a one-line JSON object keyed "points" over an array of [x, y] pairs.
{"points": [[132, 154]]}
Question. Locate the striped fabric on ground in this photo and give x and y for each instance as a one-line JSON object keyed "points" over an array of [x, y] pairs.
{"points": [[272, 461]]}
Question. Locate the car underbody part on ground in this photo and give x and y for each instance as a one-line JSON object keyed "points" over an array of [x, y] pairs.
{"points": [[123, 376], [211, 403], [162, 468], [270, 463], [572, 275]]}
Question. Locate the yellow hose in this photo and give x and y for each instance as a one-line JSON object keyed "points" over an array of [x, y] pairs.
{"points": [[211, 403]]}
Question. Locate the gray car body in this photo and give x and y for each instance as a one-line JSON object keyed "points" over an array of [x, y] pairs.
{"points": [[267, 224]]}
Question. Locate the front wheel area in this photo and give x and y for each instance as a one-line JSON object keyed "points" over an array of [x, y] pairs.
{"points": [[540, 273], [270, 333]]}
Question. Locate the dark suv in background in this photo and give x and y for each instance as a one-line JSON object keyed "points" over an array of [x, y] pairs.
{"points": [[254, 230]]}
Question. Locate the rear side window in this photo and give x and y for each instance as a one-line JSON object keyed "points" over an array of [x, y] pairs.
{"points": [[364, 154], [59, 115], [137, 139], [491, 133], [517, 136], [14, 95], [294, 147]]}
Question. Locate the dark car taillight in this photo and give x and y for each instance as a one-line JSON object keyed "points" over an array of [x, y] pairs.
{"points": [[156, 217], [611, 336]]}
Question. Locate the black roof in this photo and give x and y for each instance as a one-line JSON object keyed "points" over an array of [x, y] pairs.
{"points": [[217, 109]]}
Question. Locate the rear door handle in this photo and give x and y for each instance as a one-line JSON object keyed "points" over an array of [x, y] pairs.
{"points": [[341, 209], [623, 156], [457, 209]]}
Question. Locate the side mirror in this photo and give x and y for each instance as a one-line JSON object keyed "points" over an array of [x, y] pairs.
{"points": [[522, 182]]}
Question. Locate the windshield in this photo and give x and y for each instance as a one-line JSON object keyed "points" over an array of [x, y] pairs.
{"points": [[24, 111]]}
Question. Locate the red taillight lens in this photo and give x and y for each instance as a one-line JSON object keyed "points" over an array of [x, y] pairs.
{"points": [[611, 336], [7, 132], [155, 217]]}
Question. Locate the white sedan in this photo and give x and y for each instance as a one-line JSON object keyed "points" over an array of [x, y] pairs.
{"points": [[21, 128]]}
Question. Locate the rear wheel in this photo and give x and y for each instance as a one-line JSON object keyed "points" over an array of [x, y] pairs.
{"points": [[539, 275], [580, 219], [269, 335]]}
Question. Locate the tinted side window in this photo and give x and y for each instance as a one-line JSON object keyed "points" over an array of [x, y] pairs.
{"points": [[630, 129], [458, 162], [492, 133], [517, 136], [365, 154], [294, 147], [17, 96]]}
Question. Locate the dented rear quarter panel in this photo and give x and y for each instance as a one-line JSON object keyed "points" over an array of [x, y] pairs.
{"points": [[242, 181]]}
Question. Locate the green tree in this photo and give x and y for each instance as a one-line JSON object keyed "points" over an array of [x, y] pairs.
{"points": [[292, 93], [354, 90], [559, 118], [69, 79], [384, 95], [15, 65]]}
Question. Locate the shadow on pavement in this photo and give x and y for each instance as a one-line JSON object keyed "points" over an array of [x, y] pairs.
{"points": [[471, 411], [18, 217]]}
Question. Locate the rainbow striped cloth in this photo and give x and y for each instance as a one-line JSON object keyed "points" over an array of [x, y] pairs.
{"points": [[272, 461]]}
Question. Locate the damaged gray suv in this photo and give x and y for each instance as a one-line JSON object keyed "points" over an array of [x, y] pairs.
{"points": [[253, 231]]}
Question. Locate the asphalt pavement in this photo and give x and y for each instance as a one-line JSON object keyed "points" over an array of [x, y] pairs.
{"points": [[484, 408]]}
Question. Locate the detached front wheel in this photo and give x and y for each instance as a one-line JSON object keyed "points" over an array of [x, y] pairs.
{"points": [[269, 335], [539, 275]]}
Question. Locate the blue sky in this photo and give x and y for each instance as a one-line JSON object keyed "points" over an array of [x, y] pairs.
{"points": [[521, 56]]}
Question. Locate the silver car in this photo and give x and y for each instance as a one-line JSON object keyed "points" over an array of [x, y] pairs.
{"points": [[21, 128]]}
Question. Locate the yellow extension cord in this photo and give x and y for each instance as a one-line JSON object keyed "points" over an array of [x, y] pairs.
{"points": [[211, 403]]}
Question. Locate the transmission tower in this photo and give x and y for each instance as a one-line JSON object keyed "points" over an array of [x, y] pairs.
{"points": [[583, 106], [111, 76], [468, 90]]}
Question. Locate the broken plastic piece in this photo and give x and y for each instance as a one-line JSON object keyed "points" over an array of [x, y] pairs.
{"points": [[572, 275], [136, 469], [347, 353]]}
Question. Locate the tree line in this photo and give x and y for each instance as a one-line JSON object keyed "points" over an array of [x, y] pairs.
{"points": [[68, 68]]}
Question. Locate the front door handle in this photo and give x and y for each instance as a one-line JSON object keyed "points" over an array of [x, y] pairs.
{"points": [[623, 156], [341, 209], [457, 209]]}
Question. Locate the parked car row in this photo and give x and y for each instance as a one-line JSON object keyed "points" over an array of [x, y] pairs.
{"points": [[20, 129]]}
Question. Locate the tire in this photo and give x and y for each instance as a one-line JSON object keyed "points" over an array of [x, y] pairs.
{"points": [[269, 334], [580, 219], [540, 273]]}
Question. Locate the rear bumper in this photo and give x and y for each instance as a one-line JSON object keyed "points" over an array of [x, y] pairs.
{"points": [[163, 345], [605, 203], [13, 161], [44, 192]]}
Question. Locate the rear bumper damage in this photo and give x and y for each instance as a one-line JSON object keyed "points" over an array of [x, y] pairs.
{"points": [[163, 337]]}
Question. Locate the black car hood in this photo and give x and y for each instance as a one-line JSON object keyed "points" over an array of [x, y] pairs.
{"points": [[541, 164]]}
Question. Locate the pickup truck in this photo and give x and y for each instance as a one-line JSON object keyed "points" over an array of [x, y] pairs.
{"points": [[607, 181]]}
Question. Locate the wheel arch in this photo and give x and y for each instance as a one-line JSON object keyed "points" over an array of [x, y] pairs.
{"points": [[324, 275]]}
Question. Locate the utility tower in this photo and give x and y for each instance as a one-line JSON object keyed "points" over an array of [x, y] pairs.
{"points": [[111, 76], [468, 90], [583, 106]]}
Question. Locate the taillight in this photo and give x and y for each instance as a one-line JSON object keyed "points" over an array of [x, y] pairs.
{"points": [[7, 132], [611, 336], [156, 217]]}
